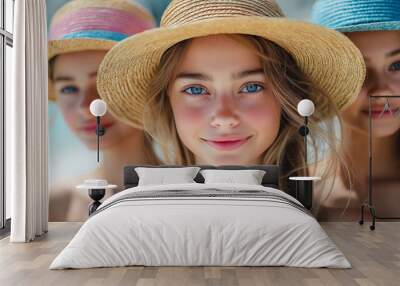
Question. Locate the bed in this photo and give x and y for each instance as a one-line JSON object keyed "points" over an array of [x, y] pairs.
{"points": [[201, 224]]}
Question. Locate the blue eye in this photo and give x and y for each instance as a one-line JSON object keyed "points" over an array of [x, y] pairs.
{"points": [[69, 89], [395, 66], [252, 88], [195, 90]]}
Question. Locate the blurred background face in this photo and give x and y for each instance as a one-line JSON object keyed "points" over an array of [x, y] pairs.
{"points": [[381, 51], [74, 77], [224, 109]]}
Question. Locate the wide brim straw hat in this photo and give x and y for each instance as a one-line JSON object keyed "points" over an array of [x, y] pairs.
{"points": [[90, 25], [357, 15], [325, 56]]}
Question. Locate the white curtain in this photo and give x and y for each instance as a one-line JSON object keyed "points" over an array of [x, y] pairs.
{"points": [[26, 124]]}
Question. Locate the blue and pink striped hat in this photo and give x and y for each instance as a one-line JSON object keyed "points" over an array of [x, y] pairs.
{"points": [[84, 25]]}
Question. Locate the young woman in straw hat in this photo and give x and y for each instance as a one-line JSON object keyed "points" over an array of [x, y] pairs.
{"points": [[374, 27], [219, 82], [81, 33]]}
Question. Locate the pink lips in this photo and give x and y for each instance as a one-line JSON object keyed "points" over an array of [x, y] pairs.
{"points": [[91, 128], [226, 144], [377, 113]]}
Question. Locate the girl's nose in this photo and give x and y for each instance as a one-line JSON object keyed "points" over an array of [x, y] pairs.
{"points": [[225, 113], [88, 95], [379, 85]]}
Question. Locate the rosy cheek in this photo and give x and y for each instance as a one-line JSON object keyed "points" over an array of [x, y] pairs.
{"points": [[362, 96], [189, 118], [262, 114], [357, 106], [70, 113], [109, 118], [350, 113]]}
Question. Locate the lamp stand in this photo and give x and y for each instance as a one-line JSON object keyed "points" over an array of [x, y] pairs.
{"points": [[368, 204], [96, 195], [98, 137], [303, 130], [100, 131]]}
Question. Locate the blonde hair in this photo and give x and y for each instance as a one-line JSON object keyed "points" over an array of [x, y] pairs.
{"points": [[290, 85]]}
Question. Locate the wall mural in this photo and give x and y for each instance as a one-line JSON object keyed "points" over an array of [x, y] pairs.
{"points": [[180, 96]]}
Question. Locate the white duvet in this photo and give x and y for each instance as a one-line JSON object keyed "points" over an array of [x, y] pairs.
{"points": [[183, 231]]}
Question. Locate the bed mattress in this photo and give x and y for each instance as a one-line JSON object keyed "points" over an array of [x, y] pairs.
{"points": [[201, 225]]}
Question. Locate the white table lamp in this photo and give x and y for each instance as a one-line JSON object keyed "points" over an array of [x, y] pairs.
{"points": [[305, 108], [98, 108]]}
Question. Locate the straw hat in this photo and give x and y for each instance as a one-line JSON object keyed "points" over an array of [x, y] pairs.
{"points": [[327, 57], [357, 15], [83, 25]]}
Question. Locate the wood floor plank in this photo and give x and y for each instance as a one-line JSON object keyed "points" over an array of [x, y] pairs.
{"points": [[374, 255]]}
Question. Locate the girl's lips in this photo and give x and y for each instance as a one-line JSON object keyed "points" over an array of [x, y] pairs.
{"points": [[378, 113], [91, 128], [226, 144]]}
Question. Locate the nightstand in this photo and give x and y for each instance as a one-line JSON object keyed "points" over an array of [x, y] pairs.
{"points": [[97, 190], [304, 190]]}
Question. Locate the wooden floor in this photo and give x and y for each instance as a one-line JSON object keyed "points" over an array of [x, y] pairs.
{"points": [[375, 257]]}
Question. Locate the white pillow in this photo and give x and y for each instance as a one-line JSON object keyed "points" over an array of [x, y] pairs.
{"points": [[248, 177], [162, 176]]}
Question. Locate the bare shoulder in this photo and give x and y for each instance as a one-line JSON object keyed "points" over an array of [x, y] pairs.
{"points": [[59, 202], [61, 197], [64, 188], [332, 196]]}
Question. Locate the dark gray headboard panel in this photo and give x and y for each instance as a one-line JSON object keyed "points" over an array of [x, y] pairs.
{"points": [[270, 179]]}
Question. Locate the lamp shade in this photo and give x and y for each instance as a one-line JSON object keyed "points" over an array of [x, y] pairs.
{"points": [[98, 107], [305, 108]]}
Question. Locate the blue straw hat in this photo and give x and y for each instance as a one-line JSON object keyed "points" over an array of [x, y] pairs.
{"points": [[357, 15]]}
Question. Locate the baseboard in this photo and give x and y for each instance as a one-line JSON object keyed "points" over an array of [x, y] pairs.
{"points": [[5, 231]]}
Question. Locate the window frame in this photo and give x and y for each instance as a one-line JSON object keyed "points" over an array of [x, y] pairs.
{"points": [[6, 39]]}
